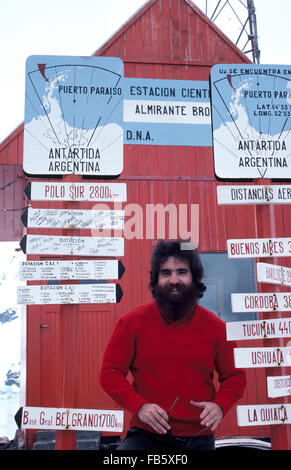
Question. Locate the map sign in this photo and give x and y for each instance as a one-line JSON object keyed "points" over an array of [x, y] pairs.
{"points": [[251, 118], [73, 116]]}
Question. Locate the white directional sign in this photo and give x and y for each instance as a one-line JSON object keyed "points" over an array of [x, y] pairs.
{"points": [[259, 247], [255, 415], [269, 302], [272, 328], [279, 386], [254, 194], [273, 274], [72, 419], [48, 191], [69, 294], [72, 246], [65, 270], [262, 357], [73, 219]]}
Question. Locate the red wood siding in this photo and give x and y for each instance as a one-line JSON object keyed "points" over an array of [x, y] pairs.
{"points": [[166, 39]]}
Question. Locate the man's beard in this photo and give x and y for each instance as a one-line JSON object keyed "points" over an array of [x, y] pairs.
{"points": [[175, 305]]}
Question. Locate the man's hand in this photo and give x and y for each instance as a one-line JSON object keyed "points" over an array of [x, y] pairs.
{"points": [[211, 415], [153, 415]]}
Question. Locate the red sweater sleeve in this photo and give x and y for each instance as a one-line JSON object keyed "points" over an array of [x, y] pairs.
{"points": [[232, 380], [117, 359]]}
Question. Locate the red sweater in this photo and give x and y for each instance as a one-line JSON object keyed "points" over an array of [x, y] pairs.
{"points": [[170, 360]]}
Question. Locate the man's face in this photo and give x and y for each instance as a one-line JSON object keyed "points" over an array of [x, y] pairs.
{"points": [[175, 279]]}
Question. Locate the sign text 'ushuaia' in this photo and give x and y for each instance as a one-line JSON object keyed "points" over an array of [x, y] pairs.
{"points": [[254, 415], [262, 357], [259, 247], [72, 419], [268, 302]]}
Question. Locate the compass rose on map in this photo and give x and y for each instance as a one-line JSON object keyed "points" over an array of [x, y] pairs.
{"points": [[73, 116], [251, 119]]}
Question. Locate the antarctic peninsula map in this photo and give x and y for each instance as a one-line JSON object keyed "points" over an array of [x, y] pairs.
{"points": [[73, 116], [251, 119]]}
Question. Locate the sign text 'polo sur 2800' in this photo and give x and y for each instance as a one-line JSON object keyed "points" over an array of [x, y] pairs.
{"points": [[77, 192]]}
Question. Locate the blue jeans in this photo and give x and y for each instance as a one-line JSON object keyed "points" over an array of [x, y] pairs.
{"points": [[139, 439]]}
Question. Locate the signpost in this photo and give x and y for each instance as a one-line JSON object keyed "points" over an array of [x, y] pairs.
{"points": [[259, 247], [273, 274], [72, 245], [259, 329], [279, 386], [74, 191], [73, 218], [72, 419], [266, 302], [69, 294], [254, 194], [255, 415], [252, 139], [262, 357], [51, 270]]}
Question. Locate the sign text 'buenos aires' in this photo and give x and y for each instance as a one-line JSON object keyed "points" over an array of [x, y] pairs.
{"points": [[279, 386], [268, 302], [254, 415], [258, 247], [72, 419]]}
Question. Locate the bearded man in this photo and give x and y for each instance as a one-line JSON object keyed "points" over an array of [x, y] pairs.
{"points": [[172, 347]]}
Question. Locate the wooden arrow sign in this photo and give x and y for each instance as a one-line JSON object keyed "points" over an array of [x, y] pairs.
{"points": [[72, 246], [69, 294]]}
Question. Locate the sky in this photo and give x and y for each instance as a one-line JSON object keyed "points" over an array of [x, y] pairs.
{"points": [[79, 28]]}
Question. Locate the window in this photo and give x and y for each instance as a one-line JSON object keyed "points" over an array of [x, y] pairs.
{"points": [[223, 277]]}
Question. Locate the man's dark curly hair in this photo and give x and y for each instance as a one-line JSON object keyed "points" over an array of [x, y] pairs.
{"points": [[176, 248]]}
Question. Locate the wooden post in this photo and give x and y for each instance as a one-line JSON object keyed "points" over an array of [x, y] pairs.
{"points": [[266, 228]]}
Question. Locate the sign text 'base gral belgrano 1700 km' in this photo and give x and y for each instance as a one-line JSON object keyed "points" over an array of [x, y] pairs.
{"points": [[255, 415], [73, 218], [72, 419], [102, 293], [73, 116], [72, 246], [251, 110], [258, 247], [257, 302], [50, 270]]}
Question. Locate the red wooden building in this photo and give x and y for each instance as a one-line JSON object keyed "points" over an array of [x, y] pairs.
{"points": [[165, 39]]}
